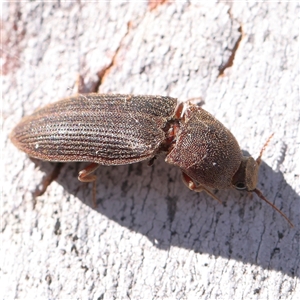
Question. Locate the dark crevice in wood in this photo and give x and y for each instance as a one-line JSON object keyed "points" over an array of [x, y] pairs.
{"points": [[46, 182], [104, 72], [152, 4], [230, 60]]}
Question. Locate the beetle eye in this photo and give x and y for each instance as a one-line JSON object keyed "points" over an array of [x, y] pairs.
{"points": [[240, 186]]}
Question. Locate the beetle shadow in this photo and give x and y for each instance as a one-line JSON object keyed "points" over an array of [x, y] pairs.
{"points": [[154, 202]]}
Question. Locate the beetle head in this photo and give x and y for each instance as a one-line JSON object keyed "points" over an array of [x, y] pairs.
{"points": [[246, 178], [247, 175]]}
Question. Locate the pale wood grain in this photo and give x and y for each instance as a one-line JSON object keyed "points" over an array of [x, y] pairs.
{"points": [[151, 238]]}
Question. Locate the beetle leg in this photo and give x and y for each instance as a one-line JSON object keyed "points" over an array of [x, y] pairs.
{"points": [[79, 85], [47, 181], [91, 86], [198, 101], [151, 161], [179, 110], [188, 181], [86, 176]]}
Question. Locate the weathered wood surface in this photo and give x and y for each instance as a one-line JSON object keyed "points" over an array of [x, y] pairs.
{"points": [[150, 237]]}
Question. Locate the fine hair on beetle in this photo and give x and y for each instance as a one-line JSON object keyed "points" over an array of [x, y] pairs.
{"points": [[118, 129]]}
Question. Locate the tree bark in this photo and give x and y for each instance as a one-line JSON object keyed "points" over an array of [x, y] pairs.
{"points": [[150, 237]]}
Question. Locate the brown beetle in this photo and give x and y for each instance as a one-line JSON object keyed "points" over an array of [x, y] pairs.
{"points": [[107, 129]]}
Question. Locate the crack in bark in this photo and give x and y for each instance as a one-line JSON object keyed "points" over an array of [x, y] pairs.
{"points": [[104, 72], [154, 4], [230, 60], [95, 85]]}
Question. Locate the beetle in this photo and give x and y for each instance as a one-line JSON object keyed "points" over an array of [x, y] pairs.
{"points": [[116, 129]]}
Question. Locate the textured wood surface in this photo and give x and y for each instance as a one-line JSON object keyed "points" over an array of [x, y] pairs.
{"points": [[150, 237]]}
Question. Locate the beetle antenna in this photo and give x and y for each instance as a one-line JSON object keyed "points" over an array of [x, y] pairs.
{"points": [[260, 195], [258, 160]]}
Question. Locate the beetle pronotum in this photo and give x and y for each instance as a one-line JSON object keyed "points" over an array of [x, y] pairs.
{"points": [[107, 129]]}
